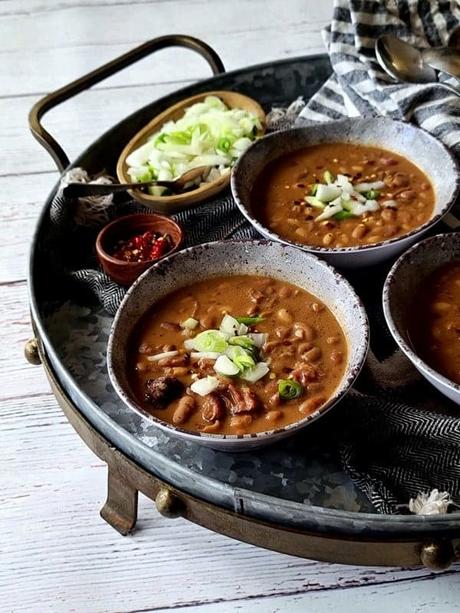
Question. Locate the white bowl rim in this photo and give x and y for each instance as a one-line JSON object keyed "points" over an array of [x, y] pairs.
{"points": [[342, 389], [400, 340], [357, 248]]}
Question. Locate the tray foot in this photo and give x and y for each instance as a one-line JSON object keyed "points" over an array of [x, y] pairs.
{"points": [[120, 508]]}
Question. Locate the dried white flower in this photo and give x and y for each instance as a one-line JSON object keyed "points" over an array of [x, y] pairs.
{"points": [[91, 210], [432, 503]]}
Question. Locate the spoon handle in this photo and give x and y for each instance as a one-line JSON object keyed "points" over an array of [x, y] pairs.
{"points": [[445, 59], [77, 190]]}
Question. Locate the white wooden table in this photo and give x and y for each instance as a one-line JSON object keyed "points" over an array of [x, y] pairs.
{"points": [[56, 552]]}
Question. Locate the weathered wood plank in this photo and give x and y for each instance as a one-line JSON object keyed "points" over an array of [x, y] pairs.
{"points": [[18, 377], [441, 595], [75, 124], [50, 498], [92, 33]]}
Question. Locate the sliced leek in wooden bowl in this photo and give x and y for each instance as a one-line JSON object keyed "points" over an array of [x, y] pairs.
{"points": [[209, 129]]}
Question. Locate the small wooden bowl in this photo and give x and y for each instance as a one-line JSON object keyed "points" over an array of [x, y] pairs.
{"points": [[179, 202], [125, 273]]}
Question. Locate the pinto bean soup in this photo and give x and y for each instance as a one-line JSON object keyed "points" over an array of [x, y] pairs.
{"points": [[434, 321], [236, 355], [342, 195]]}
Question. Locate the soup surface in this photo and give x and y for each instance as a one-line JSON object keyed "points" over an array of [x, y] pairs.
{"points": [[222, 375], [342, 195], [434, 322]]}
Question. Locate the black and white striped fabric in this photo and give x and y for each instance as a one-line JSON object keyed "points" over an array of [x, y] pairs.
{"points": [[359, 86], [392, 450]]}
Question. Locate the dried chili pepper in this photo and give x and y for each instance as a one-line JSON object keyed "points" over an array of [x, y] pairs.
{"points": [[143, 247]]}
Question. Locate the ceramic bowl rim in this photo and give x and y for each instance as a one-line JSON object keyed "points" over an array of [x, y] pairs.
{"points": [[316, 249], [391, 323], [343, 388]]}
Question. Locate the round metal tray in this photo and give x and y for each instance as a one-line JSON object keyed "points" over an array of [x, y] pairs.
{"points": [[284, 498]]}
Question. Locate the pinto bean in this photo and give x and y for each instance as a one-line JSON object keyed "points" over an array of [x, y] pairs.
{"points": [[313, 355], [390, 230], [404, 216], [302, 232], [256, 295], [317, 307], [359, 231], [328, 238], [270, 346], [388, 215], [179, 371], [169, 325], [184, 409], [178, 360], [145, 348], [399, 179], [207, 322], [274, 400], [386, 161], [303, 348], [408, 194], [241, 421], [284, 316], [273, 415], [308, 330], [285, 292], [282, 332], [311, 404], [336, 357]]}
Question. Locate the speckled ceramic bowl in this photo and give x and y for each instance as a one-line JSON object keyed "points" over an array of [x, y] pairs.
{"points": [[405, 139], [233, 258], [400, 286]]}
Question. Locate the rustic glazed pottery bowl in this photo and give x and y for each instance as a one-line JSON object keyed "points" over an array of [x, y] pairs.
{"points": [[123, 228], [402, 138], [168, 205], [264, 258], [402, 282]]}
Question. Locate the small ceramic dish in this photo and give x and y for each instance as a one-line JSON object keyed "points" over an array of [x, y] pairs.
{"points": [[416, 145], [124, 228], [400, 286], [265, 258], [168, 205]]}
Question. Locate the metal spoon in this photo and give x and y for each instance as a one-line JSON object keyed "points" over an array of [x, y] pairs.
{"points": [[404, 62], [75, 190]]}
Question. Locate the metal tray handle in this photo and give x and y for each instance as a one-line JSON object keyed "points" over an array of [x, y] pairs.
{"points": [[101, 73]]}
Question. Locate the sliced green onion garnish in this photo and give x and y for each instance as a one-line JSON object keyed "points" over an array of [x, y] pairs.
{"points": [[329, 177], [343, 215], [288, 389], [210, 340], [239, 356], [314, 189], [250, 321], [314, 202], [242, 341], [372, 194]]}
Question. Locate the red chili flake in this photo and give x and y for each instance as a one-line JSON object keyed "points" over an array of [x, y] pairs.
{"points": [[143, 247]]}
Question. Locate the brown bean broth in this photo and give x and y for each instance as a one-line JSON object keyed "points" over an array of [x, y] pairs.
{"points": [[279, 191], [208, 301], [434, 321]]}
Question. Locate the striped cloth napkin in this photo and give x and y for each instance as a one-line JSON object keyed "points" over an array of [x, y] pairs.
{"points": [[359, 86]]}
